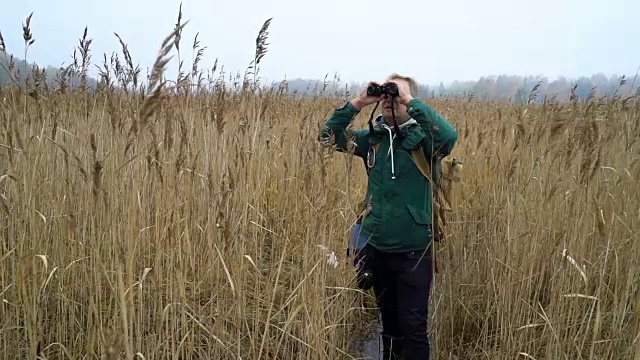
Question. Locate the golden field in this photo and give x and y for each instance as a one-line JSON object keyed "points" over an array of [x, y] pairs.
{"points": [[191, 224]]}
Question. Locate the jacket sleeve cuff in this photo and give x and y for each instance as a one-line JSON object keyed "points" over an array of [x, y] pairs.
{"points": [[416, 107], [348, 109]]}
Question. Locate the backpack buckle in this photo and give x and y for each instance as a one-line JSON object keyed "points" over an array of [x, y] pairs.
{"points": [[371, 157]]}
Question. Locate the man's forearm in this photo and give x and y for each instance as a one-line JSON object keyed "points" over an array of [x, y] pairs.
{"points": [[443, 135], [338, 123]]}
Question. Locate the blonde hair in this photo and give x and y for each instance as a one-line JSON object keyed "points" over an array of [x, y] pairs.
{"points": [[413, 84]]}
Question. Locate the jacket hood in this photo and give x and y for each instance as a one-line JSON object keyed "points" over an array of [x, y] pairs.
{"points": [[381, 123]]}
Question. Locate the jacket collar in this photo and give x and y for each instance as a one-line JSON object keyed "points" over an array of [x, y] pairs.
{"points": [[380, 124]]}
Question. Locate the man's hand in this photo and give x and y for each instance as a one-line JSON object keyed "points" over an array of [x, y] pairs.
{"points": [[404, 92], [362, 99]]}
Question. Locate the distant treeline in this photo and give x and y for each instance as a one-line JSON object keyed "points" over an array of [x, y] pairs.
{"points": [[511, 88], [16, 70]]}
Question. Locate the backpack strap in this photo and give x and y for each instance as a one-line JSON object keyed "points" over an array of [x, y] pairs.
{"points": [[367, 202], [438, 203], [422, 164]]}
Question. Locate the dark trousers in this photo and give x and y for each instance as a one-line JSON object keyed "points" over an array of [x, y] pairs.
{"points": [[401, 283]]}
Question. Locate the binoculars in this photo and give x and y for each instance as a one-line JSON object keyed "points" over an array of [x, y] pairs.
{"points": [[390, 89]]}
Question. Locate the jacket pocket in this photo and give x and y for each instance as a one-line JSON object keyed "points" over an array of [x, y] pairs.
{"points": [[416, 228], [420, 216]]}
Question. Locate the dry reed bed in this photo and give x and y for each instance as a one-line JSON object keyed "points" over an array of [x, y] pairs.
{"points": [[188, 225], [543, 262]]}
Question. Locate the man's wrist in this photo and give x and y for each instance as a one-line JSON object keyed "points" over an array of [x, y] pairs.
{"points": [[357, 103], [407, 99]]}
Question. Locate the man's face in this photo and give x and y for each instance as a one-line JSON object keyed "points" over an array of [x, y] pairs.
{"points": [[400, 110]]}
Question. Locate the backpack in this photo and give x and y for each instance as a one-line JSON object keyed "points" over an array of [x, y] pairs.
{"points": [[446, 172], [441, 181]]}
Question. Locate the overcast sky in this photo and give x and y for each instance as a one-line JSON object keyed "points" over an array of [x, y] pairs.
{"points": [[358, 39]]}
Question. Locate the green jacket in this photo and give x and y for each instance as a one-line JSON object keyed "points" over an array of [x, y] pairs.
{"points": [[400, 216]]}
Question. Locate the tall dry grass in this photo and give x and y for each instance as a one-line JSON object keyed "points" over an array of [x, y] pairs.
{"points": [[189, 221]]}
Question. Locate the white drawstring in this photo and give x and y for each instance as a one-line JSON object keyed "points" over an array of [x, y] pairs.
{"points": [[393, 170], [391, 137]]}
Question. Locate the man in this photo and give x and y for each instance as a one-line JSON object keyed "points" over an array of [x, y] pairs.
{"points": [[397, 226]]}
